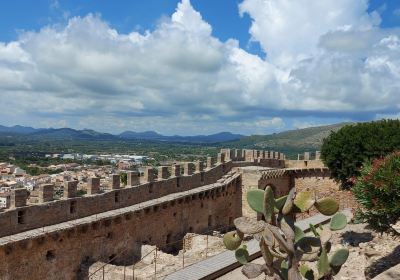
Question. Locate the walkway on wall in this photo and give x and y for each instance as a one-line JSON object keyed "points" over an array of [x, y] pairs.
{"points": [[222, 263], [113, 213]]}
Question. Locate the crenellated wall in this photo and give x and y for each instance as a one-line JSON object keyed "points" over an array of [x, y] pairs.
{"points": [[64, 251], [23, 218], [59, 238], [282, 180]]}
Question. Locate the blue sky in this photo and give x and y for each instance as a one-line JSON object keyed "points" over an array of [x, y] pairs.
{"points": [[124, 16], [199, 66]]}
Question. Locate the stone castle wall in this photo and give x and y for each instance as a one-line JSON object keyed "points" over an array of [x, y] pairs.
{"points": [[58, 239], [34, 216], [304, 164], [282, 180], [66, 250]]}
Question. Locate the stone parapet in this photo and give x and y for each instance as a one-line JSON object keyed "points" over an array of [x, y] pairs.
{"points": [[70, 188]]}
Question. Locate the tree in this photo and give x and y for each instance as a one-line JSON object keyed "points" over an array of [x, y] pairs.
{"points": [[344, 152], [124, 178]]}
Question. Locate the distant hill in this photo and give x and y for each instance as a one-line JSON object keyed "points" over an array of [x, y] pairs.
{"points": [[152, 135], [17, 129], [291, 141], [70, 134], [141, 135], [87, 134]]}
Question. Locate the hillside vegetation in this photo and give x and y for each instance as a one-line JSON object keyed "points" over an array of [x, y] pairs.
{"points": [[291, 142]]}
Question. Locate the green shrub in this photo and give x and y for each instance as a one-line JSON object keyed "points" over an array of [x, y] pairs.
{"points": [[378, 192], [345, 151]]}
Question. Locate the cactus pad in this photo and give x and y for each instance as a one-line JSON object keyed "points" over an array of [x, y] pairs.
{"points": [[327, 206], [248, 225], [279, 202], [281, 240], [232, 240], [255, 199], [266, 253], [338, 221], [309, 244], [298, 233], [287, 207], [323, 263], [339, 257], [304, 200], [269, 204], [242, 255], [287, 227], [268, 237]]}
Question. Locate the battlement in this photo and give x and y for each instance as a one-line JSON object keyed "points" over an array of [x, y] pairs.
{"points": [[309, 156], [296, 172], [62, 250], [251, 155], [56, 238], [155, 183]]}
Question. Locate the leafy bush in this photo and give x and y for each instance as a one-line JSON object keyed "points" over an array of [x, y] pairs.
{"points": [[378, 192], [345, 151]]}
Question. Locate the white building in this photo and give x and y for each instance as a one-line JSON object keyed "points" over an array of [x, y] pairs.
{"points": [[19, 172], [68, 156], [5, 200]]}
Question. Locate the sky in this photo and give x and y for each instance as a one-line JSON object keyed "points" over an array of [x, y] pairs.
{"points": [[200, 66]]}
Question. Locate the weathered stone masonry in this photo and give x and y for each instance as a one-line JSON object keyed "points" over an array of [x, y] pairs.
{"points": [[63, 250], [282, 180], [154, 209], [23, 217]]}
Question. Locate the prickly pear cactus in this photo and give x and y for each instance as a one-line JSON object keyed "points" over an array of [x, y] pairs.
{"points": [[284, 246]]}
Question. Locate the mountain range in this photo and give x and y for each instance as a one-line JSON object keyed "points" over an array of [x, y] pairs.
{"points": [[292, 140], [87, 134]]}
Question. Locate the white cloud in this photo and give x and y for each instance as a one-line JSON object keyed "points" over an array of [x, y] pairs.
{"points": [[289, 30], [323, 57]]}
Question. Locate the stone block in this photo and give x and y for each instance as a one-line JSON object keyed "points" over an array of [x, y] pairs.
{"points": [[149, 174], [199, 166], [70, 189], [115, 181], [93, 185], [210, 162], [176, 170], [133, 178], [163, 172], [46, 193], [188, 168], [221, 158], [18, 198]]}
